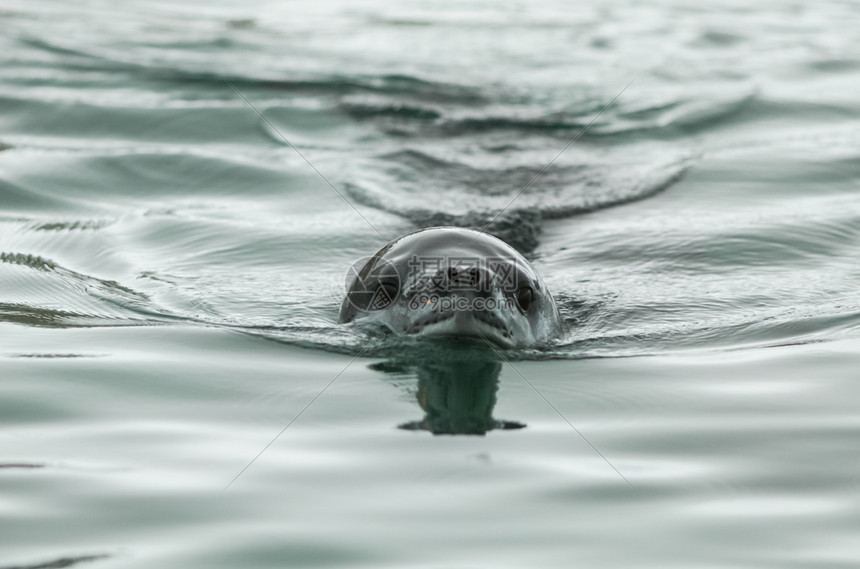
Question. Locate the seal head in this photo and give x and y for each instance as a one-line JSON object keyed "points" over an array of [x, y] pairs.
{"points": [[450, 281]]}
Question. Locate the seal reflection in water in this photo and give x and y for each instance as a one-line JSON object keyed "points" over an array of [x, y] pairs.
{"points": [[457, 397], [450, 281]]}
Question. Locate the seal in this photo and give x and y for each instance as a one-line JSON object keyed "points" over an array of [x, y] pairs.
{"points": [[451, 281]]}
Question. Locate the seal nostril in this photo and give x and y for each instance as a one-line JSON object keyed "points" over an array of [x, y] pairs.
{"points": [[474, 277], [452, 274]]}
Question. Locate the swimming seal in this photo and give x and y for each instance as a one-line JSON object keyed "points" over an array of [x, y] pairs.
{"points": [[450, 281]]}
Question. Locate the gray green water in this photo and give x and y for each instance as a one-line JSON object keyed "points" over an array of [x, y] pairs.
{"points": [[171, 271]]}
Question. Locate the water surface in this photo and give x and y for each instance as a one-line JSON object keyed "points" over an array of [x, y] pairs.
{"points": [[171, 270]]}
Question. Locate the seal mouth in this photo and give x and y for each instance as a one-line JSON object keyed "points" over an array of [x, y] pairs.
{"points": [[494, 322], [420, 325], [477, 324]]}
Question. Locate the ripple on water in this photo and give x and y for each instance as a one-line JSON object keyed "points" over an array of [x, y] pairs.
{"points": [[171, 271]]}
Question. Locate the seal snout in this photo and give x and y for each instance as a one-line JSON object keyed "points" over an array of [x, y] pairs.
{"points": [[469, 322], [460, 301]]}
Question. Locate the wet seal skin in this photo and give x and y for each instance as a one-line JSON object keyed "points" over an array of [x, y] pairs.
{"points": [[451, 281]]}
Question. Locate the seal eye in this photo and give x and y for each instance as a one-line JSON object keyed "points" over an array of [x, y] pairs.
{"points": [[525, 296], [385, 294]]}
